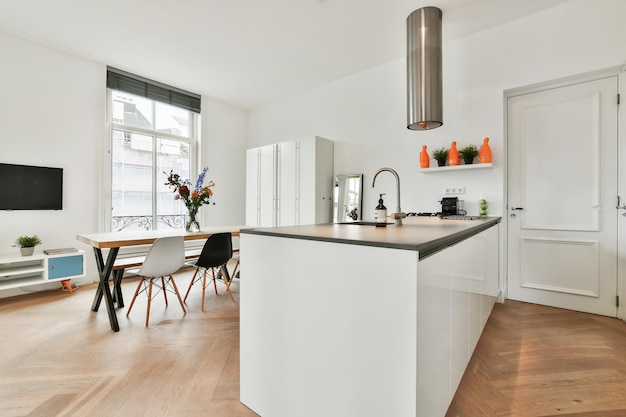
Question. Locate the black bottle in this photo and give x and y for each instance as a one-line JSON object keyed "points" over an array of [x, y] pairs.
{"points": [[380, 213]]}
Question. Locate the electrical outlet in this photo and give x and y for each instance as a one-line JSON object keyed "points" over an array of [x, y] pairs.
{"points": [[454, 190]]}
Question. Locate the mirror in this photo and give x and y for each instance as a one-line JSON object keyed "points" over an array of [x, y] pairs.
{"points": [[348, 198]]}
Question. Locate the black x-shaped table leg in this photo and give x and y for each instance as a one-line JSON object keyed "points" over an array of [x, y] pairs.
{"points": [[104, 270], [118, 298]]}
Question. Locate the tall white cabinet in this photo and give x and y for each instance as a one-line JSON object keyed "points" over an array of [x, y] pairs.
{"points": [[290, 183]]}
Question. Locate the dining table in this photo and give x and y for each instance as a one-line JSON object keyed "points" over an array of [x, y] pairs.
{"points": [[113, 241]]}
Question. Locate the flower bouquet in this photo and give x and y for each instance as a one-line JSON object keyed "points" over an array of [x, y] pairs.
{"points": [[352, 213], [193, 199]]}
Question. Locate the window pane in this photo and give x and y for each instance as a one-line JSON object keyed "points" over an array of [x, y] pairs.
{"points": [[172, 155], [132, 110], [131, 180], [172, 120]]}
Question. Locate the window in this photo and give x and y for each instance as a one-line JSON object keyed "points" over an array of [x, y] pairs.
{"points": [[149, 138]]}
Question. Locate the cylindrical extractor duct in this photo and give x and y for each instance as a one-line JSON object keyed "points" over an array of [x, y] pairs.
{"points": [[424, 72]]}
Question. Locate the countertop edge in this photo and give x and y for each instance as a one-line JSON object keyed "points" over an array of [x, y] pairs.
{"points": [[436, 245], [267, 232], [425, 249]]}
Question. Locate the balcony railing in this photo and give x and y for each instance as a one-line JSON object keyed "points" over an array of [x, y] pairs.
{"points": [[172, 221]]}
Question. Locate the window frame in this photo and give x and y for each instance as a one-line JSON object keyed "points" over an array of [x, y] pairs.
{"points": [[106, 217]]}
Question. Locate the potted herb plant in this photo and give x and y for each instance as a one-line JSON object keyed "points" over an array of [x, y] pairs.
{"points": [[441, 155], [27, 244], [468, 154]]}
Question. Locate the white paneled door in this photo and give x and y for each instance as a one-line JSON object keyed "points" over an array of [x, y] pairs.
{"points": [[562, 196]]}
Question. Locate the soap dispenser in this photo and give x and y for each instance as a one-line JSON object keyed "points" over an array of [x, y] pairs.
{"points": [[380, 213]]}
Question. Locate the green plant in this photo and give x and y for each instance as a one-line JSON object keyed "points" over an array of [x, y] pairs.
{"points": [[440, 154], [28, 241], [468, 153]]}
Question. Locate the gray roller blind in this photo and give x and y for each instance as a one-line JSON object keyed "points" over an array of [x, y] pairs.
{"points": [[134, 84]]}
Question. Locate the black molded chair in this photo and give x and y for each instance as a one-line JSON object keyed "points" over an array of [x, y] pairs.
{"points": [[166, 256], [217, 251]]}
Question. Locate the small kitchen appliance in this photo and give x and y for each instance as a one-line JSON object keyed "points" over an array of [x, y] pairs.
{"points": [[450, 206], [452, 209]]}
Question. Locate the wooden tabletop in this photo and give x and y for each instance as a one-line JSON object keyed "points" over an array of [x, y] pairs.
{"points": [[120, 239]]}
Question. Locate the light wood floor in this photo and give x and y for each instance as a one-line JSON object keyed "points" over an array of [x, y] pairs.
{"points": [[536, 361], [57, 358]]}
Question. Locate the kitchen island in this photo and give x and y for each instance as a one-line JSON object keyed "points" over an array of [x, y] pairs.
{"points": [[354, 320]]}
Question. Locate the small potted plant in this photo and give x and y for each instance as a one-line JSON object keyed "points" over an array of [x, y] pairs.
{"points": [[441, 155], [27, 244], [468, 154]]}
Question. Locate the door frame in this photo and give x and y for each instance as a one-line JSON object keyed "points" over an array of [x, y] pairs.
{"points": [[620, 72]]}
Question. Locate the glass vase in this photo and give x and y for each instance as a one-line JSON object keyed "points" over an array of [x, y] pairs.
{"points": [[192, 223]]}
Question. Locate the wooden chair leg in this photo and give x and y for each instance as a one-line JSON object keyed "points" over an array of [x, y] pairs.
{"points": [[193, 281], [177, 294], [214, 280], [134, 297], [164, 290], [235, 270], [149, 301], [203, 287], [227, 280]]}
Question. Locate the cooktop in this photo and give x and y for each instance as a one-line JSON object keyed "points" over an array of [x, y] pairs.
{"points": [[448, 217]]}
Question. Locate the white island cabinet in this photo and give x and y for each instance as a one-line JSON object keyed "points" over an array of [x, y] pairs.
{"points": [[347, 320]]}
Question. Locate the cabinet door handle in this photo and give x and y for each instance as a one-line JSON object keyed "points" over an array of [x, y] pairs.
{"points": [[517, 208]]}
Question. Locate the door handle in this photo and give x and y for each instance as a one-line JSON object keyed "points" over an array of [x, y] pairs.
{"points": [[517, 208]]}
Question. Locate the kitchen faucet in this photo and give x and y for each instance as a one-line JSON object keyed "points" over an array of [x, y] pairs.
{"points": [[398, 215]]}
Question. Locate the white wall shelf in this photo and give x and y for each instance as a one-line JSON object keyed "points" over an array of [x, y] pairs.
{"points": [[454, 168], [21, 271]]}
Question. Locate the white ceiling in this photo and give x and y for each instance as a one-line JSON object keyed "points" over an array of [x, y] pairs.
{"points": [[245, 52]]}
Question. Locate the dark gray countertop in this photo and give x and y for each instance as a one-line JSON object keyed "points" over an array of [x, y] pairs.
{"points": [[424, 234]]}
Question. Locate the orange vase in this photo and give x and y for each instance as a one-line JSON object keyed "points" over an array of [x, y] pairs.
{"points": [[485, 152], [453, 155], [424, 158]]}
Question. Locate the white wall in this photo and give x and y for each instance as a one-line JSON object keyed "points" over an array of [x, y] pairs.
{"points": [[223, 150], [365, 114], [52, 113]]}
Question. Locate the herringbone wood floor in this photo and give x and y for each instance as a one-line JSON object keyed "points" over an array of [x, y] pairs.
{"points": [[57, 358], [536, 361]]}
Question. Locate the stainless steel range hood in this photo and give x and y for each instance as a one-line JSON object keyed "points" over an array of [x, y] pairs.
{"points": [[424, 72]]}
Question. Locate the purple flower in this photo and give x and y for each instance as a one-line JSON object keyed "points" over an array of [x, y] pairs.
{"points": [[201, 178]]}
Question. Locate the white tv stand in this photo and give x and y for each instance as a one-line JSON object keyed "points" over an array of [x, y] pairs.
{"points": [[20, 271]]}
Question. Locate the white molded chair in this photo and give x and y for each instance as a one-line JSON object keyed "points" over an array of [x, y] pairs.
{"points": [[166, 256]]}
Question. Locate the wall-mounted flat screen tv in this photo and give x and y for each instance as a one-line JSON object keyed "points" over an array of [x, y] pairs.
{"points": [[25, 187]]}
